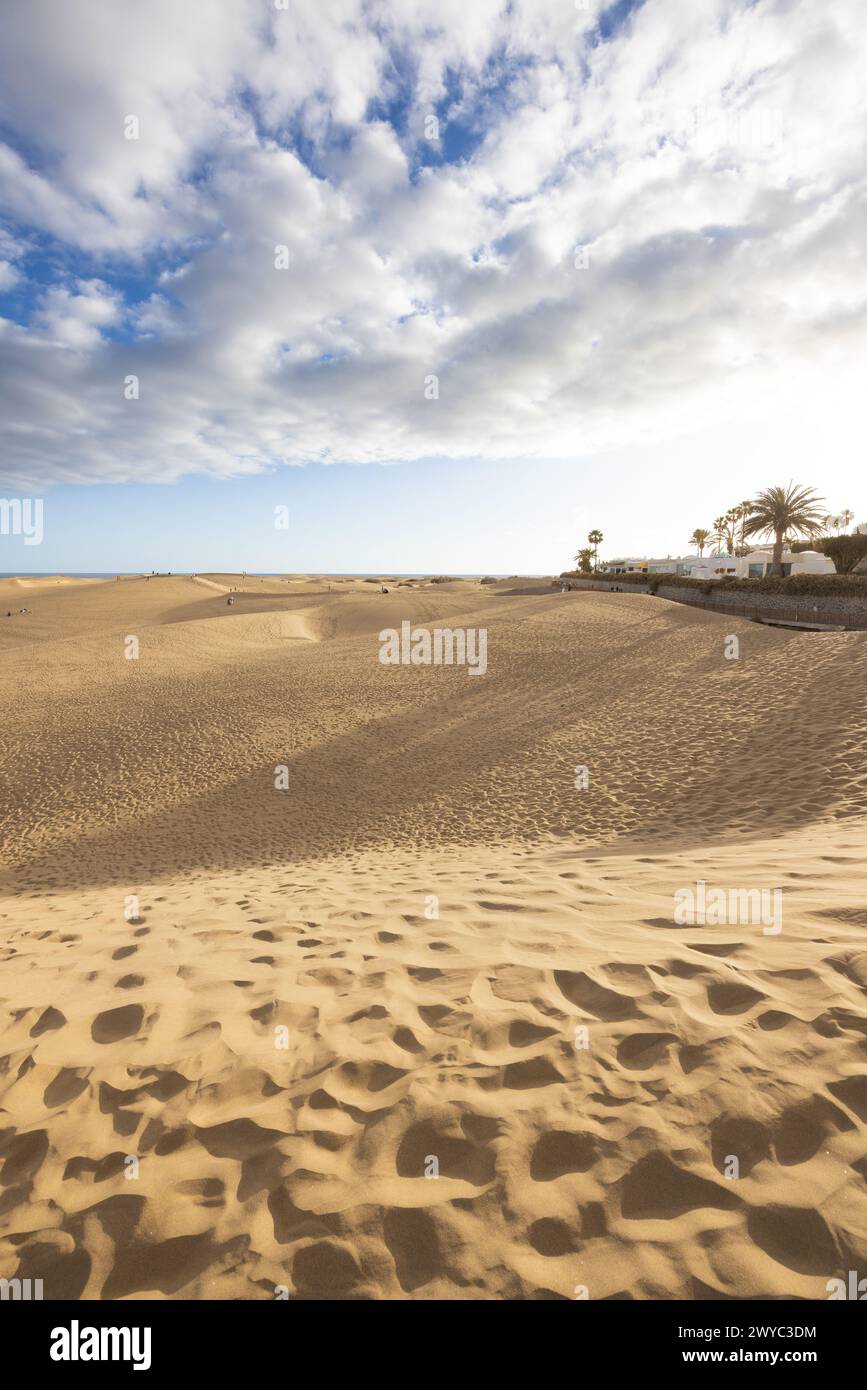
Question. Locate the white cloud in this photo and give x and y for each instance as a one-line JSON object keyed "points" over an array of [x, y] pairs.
{"points": [[709, 156], [78, 317]]}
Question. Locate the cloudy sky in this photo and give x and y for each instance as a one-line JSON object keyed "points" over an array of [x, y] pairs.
{"points": [[454, 280]]}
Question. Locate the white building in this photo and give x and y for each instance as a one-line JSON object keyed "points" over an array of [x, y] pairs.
{"points": [[761, 562], [641, 565], [755, 565], [710, 566]]}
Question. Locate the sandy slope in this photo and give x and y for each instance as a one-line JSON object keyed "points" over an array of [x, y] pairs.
{"points": [[411, 1036]]}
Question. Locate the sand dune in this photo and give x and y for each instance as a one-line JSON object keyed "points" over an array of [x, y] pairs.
{"points": [[431, 951]]}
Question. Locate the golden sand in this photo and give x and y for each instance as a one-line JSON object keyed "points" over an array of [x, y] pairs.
{"points": [[423, 1024]]}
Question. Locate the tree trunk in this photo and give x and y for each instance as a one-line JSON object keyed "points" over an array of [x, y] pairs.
{"points": [[777, 566]]}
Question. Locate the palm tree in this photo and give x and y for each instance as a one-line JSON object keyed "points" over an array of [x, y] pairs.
{"points": [[782, 512], [699, 539], [732, 517], [846, 518], [596, 538], [719, 531], [585, 560]]}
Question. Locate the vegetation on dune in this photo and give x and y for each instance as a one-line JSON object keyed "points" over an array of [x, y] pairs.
{"points": [[783, 512], [588, 557], [796, 585], [728, 530], [595, 538], [845, 551], [777, 514]]}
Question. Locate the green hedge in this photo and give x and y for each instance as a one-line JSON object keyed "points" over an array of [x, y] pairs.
{"points": [[845, 551], [818, 585]]}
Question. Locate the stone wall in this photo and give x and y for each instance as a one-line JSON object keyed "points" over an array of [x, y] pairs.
{"points": [[804, 608]]}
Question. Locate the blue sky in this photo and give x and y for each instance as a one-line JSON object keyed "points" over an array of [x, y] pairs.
{"points": [[433, 516], [623, 239], [353, 515]]}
